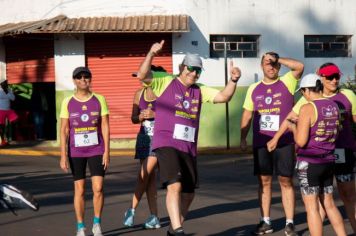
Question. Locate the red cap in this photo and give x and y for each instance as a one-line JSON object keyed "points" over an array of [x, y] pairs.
{"points": [[329, 70]]}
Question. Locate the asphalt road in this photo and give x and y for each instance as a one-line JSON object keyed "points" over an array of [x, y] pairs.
{"points": [[226, 202]]}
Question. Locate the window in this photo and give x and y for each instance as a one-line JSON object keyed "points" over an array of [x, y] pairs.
{"points": [[327, 45], [236, 45]]}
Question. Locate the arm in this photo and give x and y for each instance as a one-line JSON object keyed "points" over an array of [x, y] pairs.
{"points": [[295, 66], [226, 94], [145, 67], [64, 133], [136, 116], [301, 130], [106, 136], [10, 95], [245, 127], [272, 144]]}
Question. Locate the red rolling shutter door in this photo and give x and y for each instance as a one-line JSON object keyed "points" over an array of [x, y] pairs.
{"points": [[30, 59], [112, 58]]}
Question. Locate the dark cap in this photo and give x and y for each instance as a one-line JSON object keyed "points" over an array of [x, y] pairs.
{"points": [[81, 69]]}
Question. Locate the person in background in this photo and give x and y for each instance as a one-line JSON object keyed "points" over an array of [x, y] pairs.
{"points": [[143, 112], [6, 114], [84, 139]]}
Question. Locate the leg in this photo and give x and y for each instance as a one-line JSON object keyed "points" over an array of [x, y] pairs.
{"points": [[265, 194], [311, 202], [333, 214], [98, 197], [140, 186], [79, 201], [347, 194], [151, 189], [288, 196], [186, 201], [173, 204]]}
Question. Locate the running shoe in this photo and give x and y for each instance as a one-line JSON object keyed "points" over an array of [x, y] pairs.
{"points": [[81, 232], [152, 222], [129, 217], [96, 230], [13, 198], [263, 228], [176, 234], [289, 230]]}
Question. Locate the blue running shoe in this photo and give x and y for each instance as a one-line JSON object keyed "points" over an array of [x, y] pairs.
{"points": [[129, 217], [152, 222]]}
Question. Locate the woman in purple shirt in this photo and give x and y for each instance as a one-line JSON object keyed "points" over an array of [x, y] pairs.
{"points": [[315, 134]]}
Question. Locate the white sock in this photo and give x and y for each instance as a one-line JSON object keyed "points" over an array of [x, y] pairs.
{"points": [[267, 220], [289, 221]]}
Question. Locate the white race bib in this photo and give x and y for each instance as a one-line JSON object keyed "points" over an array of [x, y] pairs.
{"points": [[269, 122], [340, 155], [148, 125], [87, 139], [183, 132]]}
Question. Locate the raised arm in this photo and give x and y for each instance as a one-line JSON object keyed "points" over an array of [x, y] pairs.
{"points": [[145, 67], [226, 94], [295, 66]]}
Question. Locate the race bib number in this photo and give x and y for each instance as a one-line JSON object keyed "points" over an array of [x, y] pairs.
{"points": [[87, 139], [148, 126], [340, 155], [183, 132], [269, 122]]}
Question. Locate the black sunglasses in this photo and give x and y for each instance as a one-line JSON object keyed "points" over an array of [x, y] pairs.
{"points": [[332, 77], [194, 68], [79, 77]]}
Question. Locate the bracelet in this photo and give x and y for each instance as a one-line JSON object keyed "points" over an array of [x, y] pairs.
{"points": [[235, 81]]}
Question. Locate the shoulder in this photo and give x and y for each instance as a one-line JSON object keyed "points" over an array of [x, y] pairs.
{"points": [[347, 92]]}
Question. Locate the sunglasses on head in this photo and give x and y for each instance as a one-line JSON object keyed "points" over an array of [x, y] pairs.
{"points": [[194, 68], [79, 77], [332, 77]]}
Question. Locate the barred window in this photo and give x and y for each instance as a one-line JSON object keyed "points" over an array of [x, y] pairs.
{"points": [[327, 45], [236, 45]]}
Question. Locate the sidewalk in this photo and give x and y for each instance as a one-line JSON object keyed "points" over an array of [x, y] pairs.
{"points": [[41, 149]]}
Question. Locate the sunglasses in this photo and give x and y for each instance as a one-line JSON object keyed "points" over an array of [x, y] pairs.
{"points": [[332, 77], [79, 77], [194, 68]]}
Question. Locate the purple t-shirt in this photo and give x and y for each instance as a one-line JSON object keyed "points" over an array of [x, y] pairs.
{"points": [[323, 133], [85, 136]]}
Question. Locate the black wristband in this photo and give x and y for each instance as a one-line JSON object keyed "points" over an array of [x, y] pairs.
{"points": [[234, 81]]}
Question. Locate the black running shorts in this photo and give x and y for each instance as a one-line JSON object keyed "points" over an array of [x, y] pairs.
{"points": [[177, 166], [281, 161], [78, 166]]}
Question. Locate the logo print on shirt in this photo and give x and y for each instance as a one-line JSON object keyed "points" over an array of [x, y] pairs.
{"points": [[269, 90], [84, 108], [75, 114], [187, 94], [178, 97], [75, 123], [328, 111], [84, 117], [186, 104], [276, 95], [268, 100]]}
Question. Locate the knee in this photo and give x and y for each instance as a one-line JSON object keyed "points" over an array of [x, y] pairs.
{"points": [[174, 188], [79, 191], [286, 182], [98, 190]]}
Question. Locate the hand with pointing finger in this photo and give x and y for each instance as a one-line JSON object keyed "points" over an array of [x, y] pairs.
{"points": [[156, 48], [235, 72]]}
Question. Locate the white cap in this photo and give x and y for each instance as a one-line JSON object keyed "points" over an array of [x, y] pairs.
{"points": [[308, 81], [192, 60]]}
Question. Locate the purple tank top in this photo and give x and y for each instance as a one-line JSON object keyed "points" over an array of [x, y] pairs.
{"points": [[147, 126], [272, 103], [85, 137], [178, 113], [346, 138], [321, 144]]}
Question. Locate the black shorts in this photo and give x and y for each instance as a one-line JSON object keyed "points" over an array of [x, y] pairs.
{"points": [[344, 172], [78, 165], [177, 166], [315, 179], [281, 160]]}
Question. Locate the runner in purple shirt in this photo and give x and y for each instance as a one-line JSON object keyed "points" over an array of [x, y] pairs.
{"points": [[84, 137], [178, 107], [315, 134]]}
